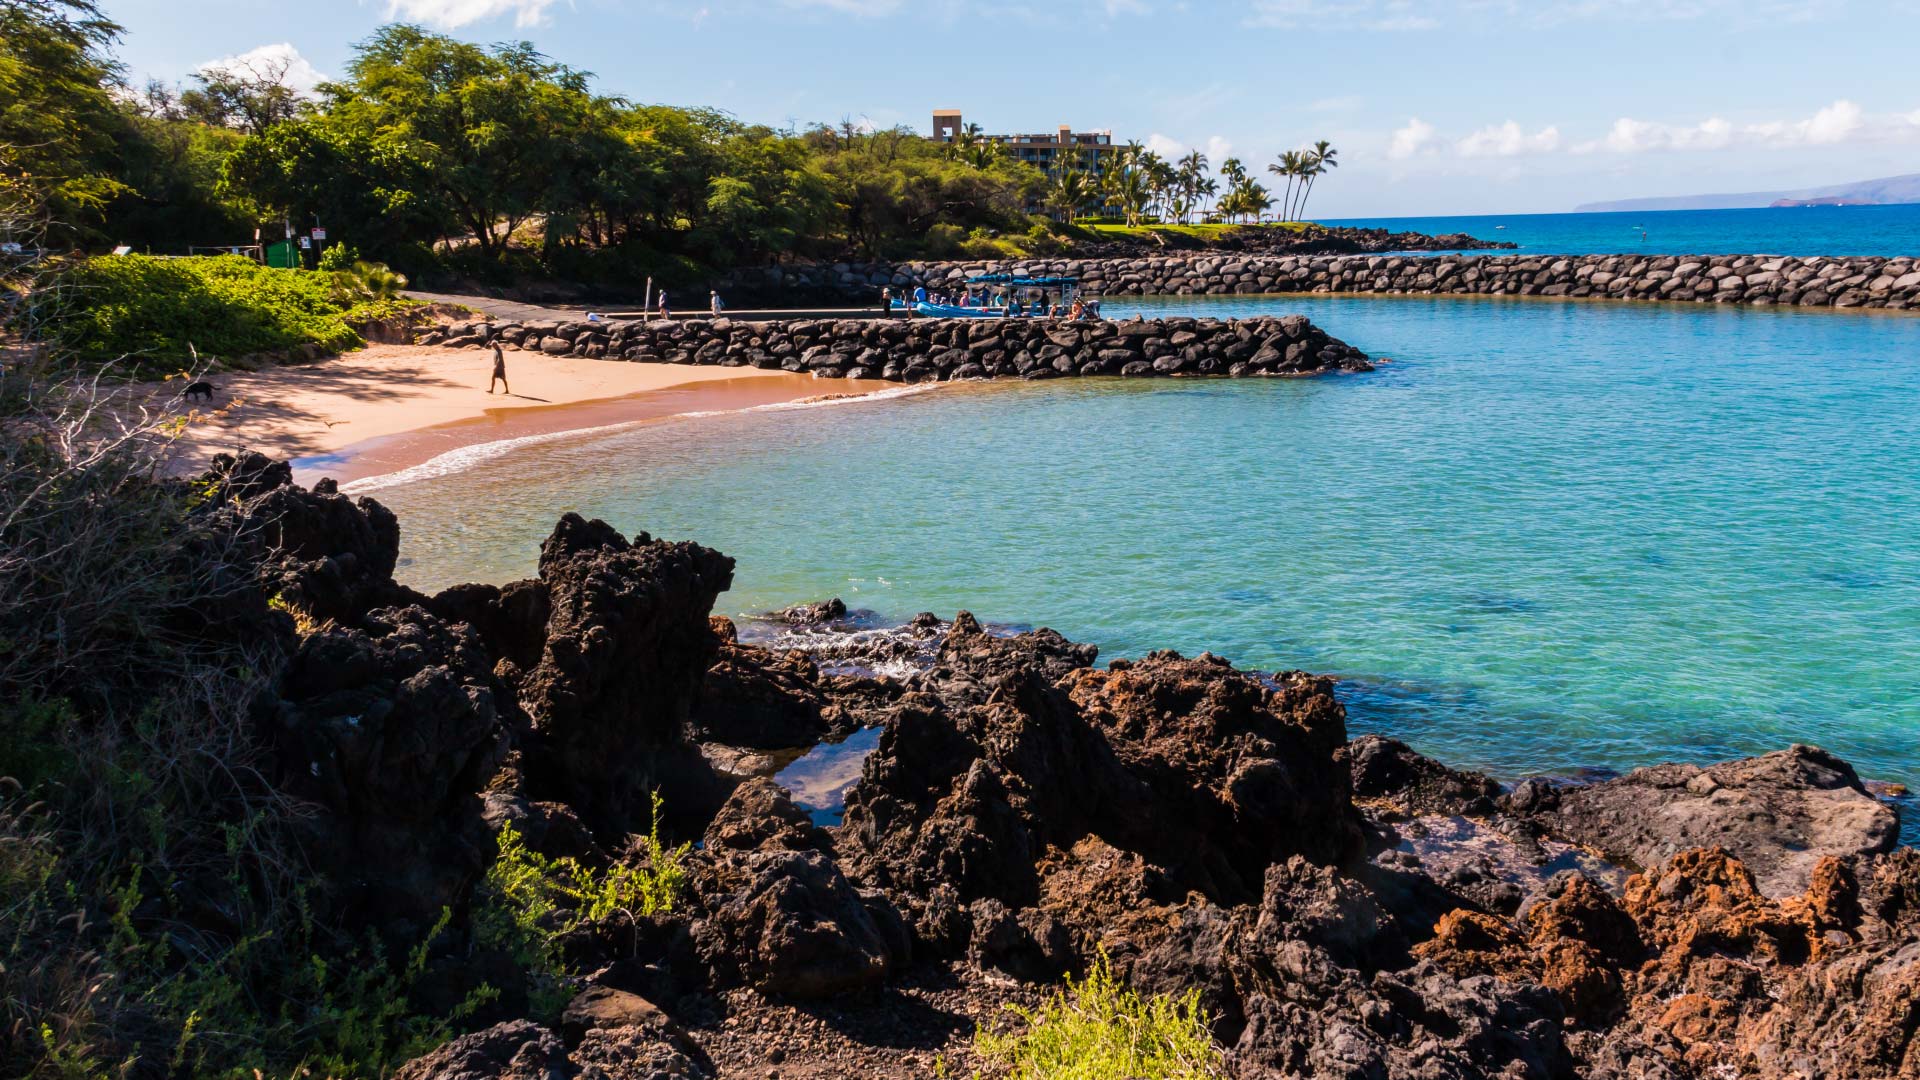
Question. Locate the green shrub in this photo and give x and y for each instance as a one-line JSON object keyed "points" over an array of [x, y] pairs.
{"points": [[153, 309], [1098, 1029], [528, 901], [338, 257], [943, 240]]}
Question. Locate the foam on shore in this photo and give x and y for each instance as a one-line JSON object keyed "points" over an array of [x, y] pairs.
{"points": [[467, 457]]}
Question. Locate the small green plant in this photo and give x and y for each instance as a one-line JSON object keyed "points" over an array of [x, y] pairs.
{"points": [[366, 282], [528, 901], [1099, 1029], [338, 257]]}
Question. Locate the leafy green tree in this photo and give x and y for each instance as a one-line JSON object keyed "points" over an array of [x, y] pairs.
{"points": [[491, 130], [367, 186], [251, 95], [59, 124]]}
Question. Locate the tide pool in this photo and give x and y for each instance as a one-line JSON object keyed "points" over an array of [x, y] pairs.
{"points": [[1545, 537]]}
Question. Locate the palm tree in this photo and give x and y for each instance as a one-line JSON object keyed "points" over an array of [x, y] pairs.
{"points": [[1132, 192], [1254, 199], [1288, 166], [1193, 172], [1324, 156], [1071, 188]]}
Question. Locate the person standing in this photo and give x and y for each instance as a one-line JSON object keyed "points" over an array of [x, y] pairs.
{"points": [[886, 300], [664, 312], [499, 371], [713, 301]]}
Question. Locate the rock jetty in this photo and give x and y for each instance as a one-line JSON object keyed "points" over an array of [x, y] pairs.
{"points": [[1024, 812], [1860, 282], [923, 350]]}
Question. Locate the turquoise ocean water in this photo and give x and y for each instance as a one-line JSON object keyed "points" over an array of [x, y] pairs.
{"points": [[1546, 537], [1816, 230]]}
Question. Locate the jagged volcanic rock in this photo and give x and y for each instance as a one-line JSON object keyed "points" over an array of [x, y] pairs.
{"points": [[1779, 813], [627, 645]]}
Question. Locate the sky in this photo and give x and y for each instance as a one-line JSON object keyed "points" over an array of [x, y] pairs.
{"points": [[1441, 107]]}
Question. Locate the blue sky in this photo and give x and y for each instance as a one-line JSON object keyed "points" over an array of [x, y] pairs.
{"points": [[1453, 106]]}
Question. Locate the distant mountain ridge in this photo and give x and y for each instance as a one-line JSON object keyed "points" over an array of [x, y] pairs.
{"points": [[1882, 192]]}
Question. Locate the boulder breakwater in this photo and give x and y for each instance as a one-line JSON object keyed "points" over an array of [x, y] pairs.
{"points": [[924, 350], [1851, 282]]}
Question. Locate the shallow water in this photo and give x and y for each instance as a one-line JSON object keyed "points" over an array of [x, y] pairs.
{"points": [[1546, 537]]}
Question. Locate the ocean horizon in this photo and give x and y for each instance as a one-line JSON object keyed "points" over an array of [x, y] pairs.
{"points": [[1888, 231]]}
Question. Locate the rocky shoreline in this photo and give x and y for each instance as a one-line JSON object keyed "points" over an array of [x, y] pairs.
{"points": [[1268, 240], [1345, 908], [1760, 280], [922, 350]]}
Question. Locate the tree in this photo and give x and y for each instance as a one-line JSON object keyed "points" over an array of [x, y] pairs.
{"points": [[252, 94], [1193, 177], [1287, 166], [1323, 157], [1128, 183], [59, 124], [1070, 188], [496, 132]]}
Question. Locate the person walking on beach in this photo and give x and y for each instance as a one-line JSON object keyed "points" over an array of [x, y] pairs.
{"points": [[499, 371], [713, 301]]}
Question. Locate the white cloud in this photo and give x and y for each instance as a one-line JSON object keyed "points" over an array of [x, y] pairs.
{"points": [[268, 60], [1166, 147], [454, 13], [1841, 122], [1218, 148], [1411, 140], [1508, 140]]}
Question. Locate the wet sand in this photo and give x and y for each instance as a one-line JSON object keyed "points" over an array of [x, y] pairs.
{"points": [[391, 407]]}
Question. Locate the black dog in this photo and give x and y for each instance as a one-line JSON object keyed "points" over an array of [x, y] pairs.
{"points": [[202, 390]]}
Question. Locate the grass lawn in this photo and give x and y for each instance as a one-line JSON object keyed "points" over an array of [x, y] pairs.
{"points": [[1197, 232]]}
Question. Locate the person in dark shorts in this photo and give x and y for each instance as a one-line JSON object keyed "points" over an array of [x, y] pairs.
{"points": [[499, 371]]}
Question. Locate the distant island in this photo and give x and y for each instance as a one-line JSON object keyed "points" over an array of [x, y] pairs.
{"points": [[1882, 192]]}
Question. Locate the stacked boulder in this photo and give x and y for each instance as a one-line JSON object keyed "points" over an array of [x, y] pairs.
{"points": [[925, 350], [1844, 282]]}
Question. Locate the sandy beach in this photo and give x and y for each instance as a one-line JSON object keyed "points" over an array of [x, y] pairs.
{"points": [[389, 407]]}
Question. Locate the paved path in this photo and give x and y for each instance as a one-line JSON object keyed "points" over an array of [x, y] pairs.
{"points": [[517, 311], [505, 310]]}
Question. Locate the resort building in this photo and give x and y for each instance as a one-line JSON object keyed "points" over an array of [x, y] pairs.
{"points": [[1094, 147]]}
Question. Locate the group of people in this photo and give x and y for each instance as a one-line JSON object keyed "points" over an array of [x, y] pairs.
{"points": [[1079, 310], [714, 304]]}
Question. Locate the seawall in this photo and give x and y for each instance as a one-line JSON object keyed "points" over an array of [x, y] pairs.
{"points": [[1841, 282], [921, 350]]}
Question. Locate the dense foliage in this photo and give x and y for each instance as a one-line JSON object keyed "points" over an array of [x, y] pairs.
{"points": [[150, 309], [446, 158]]}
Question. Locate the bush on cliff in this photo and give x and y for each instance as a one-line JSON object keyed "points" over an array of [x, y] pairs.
{"points": [[155, 914], [153, 309], [1099, 1029], [528, 901]]}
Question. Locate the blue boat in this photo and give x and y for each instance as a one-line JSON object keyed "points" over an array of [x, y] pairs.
{"points": [[1041, 294]]}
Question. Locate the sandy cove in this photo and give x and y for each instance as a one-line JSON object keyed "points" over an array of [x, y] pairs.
{"points": [[389, 407]]}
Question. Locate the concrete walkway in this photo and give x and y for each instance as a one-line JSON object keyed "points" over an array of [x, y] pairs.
{"points": [[517, 311]]}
